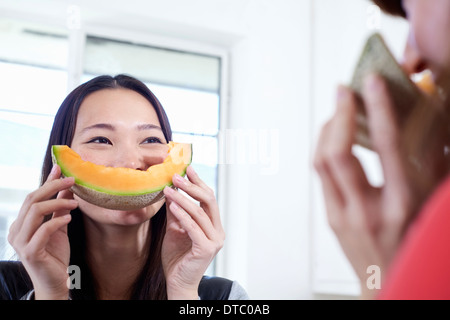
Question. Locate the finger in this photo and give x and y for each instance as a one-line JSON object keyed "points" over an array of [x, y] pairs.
{"points": [[332, 193], [333, 197], [194, 178], [188, 224], [170, 217], [200, 191], [40, 239], [45, 192], [197, 213], [172, 222], [384, 131], [34, 219], [55, 173], [64, 194], [343, 164]]}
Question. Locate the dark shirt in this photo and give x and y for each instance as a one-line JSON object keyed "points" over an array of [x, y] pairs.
{"points": [[15, 284]]}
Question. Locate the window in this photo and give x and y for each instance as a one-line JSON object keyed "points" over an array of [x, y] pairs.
{"points": [[36, 77], [33, 65]]}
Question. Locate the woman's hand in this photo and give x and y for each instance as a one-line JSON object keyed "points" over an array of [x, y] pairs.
{"points": [[369, 222], [43, 247], [193, 237]]}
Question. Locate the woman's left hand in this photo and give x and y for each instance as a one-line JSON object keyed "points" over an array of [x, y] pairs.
{"points": [[194, 235]]}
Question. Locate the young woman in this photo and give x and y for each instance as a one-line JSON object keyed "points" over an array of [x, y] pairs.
{"points": [[158, 252], [374, 225]]}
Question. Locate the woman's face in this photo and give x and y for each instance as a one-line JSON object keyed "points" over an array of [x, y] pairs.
{"points": [[428, 40], [119, 128]]}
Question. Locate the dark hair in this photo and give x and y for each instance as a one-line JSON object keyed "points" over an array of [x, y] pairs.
{"points": [[393, 7], [150, 283]]}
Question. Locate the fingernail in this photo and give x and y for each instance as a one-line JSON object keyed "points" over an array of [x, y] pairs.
{"points": [[52, 172], [168, 190], [180, 179], [69, 180]]}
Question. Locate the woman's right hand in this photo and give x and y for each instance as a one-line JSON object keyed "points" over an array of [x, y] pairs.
{"points": [[43, 247], [368, 221]]}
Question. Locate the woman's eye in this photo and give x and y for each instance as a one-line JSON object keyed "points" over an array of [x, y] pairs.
{"points": [[100, 140], [152, 140]]}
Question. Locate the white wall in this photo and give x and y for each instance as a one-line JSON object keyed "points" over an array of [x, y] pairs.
{"points": [[270, 89], [340, 30], [285, 58]]}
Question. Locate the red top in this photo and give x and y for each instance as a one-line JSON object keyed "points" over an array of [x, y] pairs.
{"points": [[421, 269]]}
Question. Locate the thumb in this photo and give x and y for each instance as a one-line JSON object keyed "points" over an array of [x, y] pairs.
{"points": [[55, 173]]}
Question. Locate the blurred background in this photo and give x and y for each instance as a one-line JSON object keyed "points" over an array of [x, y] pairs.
{"points": [[248, 82]]}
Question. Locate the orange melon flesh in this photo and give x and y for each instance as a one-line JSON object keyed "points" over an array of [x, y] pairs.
{"points": [[122, 188], [426, 83]]}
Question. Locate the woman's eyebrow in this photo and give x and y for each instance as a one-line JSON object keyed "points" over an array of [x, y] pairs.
{"points": [[100, 126], [148, 126], [107, 126]]}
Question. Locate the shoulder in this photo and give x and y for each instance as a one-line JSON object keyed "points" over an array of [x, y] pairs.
{"points": [[14, 280], [217, 288], [420, 268]]}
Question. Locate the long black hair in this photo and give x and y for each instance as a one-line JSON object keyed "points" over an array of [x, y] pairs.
{"points": [[150, 283]]}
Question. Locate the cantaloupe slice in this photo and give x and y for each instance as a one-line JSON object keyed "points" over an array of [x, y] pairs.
{"points": [[377, 58], [122, 188]]}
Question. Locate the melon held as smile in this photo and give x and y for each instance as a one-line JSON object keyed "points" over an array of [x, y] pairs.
{"points": [[122, 188]]}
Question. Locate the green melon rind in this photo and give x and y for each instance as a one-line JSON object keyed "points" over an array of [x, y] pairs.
{"points": [[111, 199]]}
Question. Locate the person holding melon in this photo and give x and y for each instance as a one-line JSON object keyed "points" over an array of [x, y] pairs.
{"points": [[160, 251], [402, 226]]}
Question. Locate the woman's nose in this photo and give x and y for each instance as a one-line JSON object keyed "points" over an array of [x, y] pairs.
{"points": [[131, 158], [141, 158], [412, 62]]}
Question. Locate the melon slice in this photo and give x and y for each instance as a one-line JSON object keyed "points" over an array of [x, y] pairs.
{"points": [[122, 188]]}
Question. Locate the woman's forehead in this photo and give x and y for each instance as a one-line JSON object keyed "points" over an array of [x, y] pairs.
{"points": [[122, 104]]}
